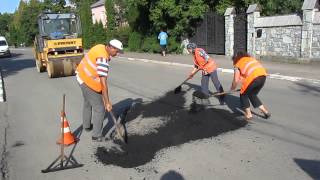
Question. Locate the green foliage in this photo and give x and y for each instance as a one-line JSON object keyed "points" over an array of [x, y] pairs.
{"points": [[121, 12], [145, 17], [174, 46], [150, 44], [86, 23], [111, 23], [276, 7], [138, 16], [99, 35], [5, 20], [177, 15], [27, 25], [55, 6], [122, 34], [268, 7], [221, 7], [134, 42]]}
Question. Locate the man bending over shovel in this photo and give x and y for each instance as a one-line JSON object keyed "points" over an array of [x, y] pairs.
{"points": [[204, 62]]}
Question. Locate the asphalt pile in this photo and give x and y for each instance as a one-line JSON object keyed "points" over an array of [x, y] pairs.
{"points": [[179, 126]]}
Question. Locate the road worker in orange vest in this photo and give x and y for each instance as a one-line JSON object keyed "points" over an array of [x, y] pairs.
{"points": [[252, 75], [208, 66], [92, 74]]}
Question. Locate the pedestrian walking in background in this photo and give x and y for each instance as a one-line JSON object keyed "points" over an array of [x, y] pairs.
{"points": [[208, 66], [252, 75], [92, 74], [163, 38]]}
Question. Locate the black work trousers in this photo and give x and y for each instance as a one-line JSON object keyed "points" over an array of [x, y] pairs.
{"points": [[251, 93]]}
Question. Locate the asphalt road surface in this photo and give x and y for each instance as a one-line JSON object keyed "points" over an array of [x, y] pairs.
{"points": [[165, 140]]}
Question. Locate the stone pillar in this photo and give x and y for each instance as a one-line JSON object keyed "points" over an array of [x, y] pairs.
{"points": [[229, 31], [253, 13], [309, 8]]}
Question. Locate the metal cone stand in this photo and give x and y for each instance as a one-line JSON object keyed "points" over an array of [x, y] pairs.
{"points": [[66, 162]]}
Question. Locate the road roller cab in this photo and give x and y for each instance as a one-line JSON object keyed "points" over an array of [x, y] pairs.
{"points": [[58, 48]]}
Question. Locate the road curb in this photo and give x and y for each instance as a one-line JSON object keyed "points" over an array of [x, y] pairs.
{"points": [[277, 76]]}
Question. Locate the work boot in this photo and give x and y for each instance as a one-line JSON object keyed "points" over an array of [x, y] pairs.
{"points": [[267, 115]]}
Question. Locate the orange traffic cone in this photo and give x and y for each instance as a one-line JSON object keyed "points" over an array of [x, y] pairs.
{"points": [[67, 137]]}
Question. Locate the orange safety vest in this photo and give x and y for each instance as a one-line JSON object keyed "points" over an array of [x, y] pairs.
{"points": [[87, 69], [250, 69], [207, 66]]}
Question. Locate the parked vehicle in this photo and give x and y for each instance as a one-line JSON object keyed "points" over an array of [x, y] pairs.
{"points": [[4, 47]]}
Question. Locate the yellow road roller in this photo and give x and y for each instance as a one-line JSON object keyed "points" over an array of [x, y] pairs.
{"points": [[58, 48]]}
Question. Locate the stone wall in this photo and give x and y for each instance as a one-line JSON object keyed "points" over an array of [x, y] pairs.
{"points": [[316, 41], [292, 35], [278, 41], [315, 51]]}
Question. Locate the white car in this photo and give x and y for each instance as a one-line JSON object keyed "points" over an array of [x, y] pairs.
{"points": [[4, 47]]}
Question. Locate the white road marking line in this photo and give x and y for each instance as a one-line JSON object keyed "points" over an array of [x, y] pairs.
{"points": [[277, 76]]}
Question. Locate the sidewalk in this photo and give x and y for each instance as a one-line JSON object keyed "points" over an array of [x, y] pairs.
{"points": [[277, 70]]}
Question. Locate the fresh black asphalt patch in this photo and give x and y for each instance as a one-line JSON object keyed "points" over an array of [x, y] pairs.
{"points": [[180, 126]]}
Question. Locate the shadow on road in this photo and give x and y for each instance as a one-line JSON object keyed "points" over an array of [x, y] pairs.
{"points": [[178, 126], [308, 88], [120, 110], [12, 65], [311, 167], [232, 101], [172, 175]]}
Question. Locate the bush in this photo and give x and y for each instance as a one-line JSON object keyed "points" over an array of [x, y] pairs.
{"points": [[150, 44], [98, 34], [123, 34], [174, 46], [134, 42]]}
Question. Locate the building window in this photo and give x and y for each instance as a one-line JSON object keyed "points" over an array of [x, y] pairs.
{"points": [[259, 33]]}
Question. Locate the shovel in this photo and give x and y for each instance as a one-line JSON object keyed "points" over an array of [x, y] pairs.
{"points": [[120, 130], [223, 93], [177, 90]]}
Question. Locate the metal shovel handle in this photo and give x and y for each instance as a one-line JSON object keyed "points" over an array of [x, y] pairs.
{"points": [[117, 126]]}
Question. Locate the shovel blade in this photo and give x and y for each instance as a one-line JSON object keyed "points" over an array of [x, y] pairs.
{"points": [[177, 90]]}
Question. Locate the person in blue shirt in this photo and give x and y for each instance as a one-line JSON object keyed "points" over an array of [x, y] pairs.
{"points": [[163, 36]]}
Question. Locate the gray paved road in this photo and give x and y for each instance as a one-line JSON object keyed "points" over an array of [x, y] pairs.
{"points": [[165, 140]]}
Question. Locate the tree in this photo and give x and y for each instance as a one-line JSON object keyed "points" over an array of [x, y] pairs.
{"points": [[5, 20], [178, 16], [138, 16], [277, 7], [28, 21], [269, 7], [55, 6], [111, 14], [99, 35], [16, 36], [86, 22], [121, 11]]}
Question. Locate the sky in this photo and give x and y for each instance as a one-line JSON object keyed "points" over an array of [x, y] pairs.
{"points": [[8, 6]]}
